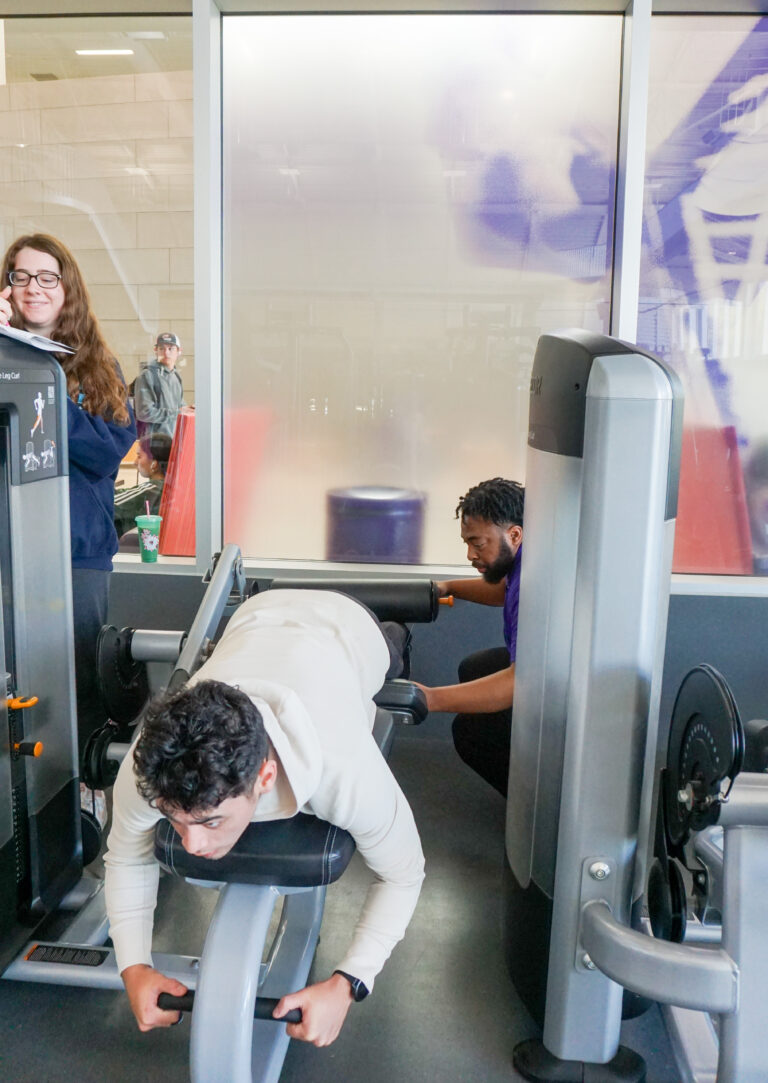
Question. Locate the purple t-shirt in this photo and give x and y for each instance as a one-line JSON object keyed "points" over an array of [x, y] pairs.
{"points": [[511, 603]]}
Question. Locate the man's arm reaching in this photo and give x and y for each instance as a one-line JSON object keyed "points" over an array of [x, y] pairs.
{"points": [[482, 696], [131, 877], [375, 812], [472, 589]]}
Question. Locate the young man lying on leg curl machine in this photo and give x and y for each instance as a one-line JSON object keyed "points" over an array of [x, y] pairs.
{"points": [[277, 721]]}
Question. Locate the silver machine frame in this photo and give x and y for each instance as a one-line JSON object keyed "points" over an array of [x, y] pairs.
{"points": [[601, 483], [36, 645]]}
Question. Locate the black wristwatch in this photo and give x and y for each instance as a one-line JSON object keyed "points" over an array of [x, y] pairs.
{"points": [[359, 990]]}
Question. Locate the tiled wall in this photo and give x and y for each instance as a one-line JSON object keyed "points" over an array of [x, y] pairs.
{"points": [[106, 166]]}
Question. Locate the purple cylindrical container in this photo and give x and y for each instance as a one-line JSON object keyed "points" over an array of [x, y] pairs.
{"points": [[375, 524]]}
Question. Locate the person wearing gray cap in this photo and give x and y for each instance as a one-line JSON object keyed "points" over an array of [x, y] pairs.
{"points": [[158, 394]]}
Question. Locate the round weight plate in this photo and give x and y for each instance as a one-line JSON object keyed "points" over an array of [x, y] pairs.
{"points": [[96, 771], [123, 682], [659, 901], [91, 835], [706, 746], [679, 902]]}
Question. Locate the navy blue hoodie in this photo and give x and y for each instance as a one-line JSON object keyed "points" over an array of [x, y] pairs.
{"points": [[96, 449]]}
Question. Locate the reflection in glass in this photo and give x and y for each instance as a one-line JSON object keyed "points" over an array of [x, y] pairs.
{"points": [[97, 151], [703, 285], [409, 202], [152, 454]]}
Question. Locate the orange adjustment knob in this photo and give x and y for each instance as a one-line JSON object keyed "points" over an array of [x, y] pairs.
{"points": [[17, 703], [28, 748], [448, 600]]}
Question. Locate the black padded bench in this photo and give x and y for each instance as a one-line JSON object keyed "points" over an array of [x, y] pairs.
{"points": [[300, 852]]}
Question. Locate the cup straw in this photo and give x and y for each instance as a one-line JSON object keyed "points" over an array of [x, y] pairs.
{"points": [[146, 505]]}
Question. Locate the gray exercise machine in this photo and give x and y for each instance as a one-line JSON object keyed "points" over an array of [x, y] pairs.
{"points": [[601, 483], [40, 836]]}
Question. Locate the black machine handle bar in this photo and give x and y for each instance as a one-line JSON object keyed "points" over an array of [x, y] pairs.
{"points": [[262, 1009]]}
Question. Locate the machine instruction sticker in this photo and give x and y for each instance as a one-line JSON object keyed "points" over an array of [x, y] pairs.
{"points": [[40, 449], [34, 399]]}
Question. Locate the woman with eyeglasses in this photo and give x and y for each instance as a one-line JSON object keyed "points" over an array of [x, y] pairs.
{"points": [[43, 291]]}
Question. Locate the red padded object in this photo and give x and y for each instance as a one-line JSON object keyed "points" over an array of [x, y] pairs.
{"points": [[245, 436], [712, 533], [245, 433], [177, 505]]}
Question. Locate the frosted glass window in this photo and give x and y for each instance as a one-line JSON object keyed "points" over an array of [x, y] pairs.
{"points": [[704, 283], [409, 201]]}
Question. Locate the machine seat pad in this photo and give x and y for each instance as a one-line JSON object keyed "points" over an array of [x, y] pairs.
{"points": [[301, 852]]}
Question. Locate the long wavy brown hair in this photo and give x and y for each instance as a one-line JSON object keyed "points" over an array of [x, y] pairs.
{"points": [[92, 368]]}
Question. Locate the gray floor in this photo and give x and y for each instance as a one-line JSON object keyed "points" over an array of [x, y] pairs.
{"points": [[443, 1009]]}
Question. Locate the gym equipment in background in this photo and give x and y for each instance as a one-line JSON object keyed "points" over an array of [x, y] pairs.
{"points": [[705, 888], [600, 508], [601, 486]]}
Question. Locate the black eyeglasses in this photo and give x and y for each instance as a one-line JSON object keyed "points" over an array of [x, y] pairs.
{"points": [[47, 279]]}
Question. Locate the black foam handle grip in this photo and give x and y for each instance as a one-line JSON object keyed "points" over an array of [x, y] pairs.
{"points": [[756, 746], [403, 696], [262, 1009], [404, 600], [168, 1003]]}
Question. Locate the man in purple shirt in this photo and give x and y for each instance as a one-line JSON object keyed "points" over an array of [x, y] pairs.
{"points": [[491, 516]]}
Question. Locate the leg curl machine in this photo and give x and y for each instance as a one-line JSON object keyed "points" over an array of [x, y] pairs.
{"points": [[238, 978], [604, 439]]}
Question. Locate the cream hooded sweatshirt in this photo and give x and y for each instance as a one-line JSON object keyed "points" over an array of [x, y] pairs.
{"points": [[311, 661]]}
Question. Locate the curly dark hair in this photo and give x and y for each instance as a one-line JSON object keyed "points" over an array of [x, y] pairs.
{"points": [[199, 746], [498, 501]]}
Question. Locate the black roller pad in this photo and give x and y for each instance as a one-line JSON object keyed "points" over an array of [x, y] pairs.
{"points": [[405, 601], [403, 696]]}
